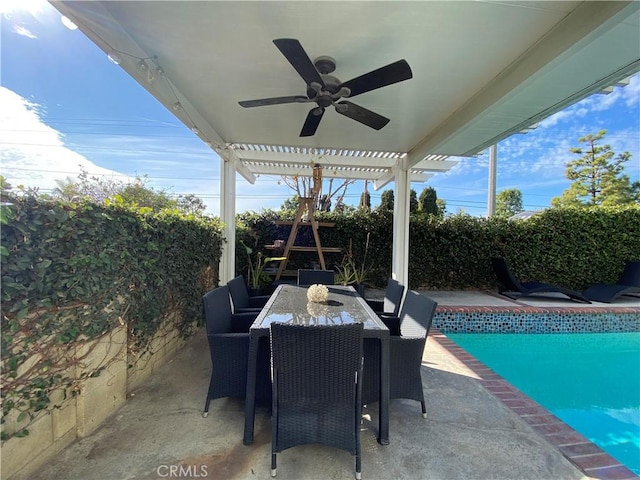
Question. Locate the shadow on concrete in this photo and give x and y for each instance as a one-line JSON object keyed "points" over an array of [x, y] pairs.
{"points": [[160, 433]]}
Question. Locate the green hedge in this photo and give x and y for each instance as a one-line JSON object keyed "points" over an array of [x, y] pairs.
{"points": [[569, 247], [73, 272], [87, 258]]}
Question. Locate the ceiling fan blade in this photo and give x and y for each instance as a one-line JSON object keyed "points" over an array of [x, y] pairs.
{"points": [[383, 76], [298, 58], [362, 115], [273, 101], [311, 123]]}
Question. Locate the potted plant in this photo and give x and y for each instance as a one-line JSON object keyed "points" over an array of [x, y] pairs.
{"points": [[257, 278], [350, 273]]}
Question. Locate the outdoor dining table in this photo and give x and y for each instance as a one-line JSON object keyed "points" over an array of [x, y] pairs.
{"points": [[289, 304]]}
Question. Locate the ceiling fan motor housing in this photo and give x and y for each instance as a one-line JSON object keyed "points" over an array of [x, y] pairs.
{"points": [[325, 64]]}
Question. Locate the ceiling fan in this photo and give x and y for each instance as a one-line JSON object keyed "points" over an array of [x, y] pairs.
{"points": [[326, 90]]}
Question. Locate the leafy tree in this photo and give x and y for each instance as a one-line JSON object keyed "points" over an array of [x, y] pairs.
{"points": [[8, 192], [136, 193], [413, 201], [365, 201], [146, 197], [189, 203], [442, 206], [386, 200], [290, 204], [365, 198], [428, 202], [344, 209], [508, 202], [324, 203], [597, 176], [5, 186], [304, 187], [85, 187]]}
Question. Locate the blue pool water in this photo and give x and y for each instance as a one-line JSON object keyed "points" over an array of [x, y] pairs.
{"points": [[591, 381]]}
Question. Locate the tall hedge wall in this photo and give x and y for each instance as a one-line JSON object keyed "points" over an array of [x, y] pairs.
{"points": [[96, 260], [569, 247], [70, 273]]}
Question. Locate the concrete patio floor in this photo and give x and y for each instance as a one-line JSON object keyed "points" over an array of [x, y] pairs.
{"points": [[469, 433]]}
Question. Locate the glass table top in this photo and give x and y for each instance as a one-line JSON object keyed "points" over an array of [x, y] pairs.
{"points": [[289, 304]]}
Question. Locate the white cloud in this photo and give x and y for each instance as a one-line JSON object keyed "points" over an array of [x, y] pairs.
{"points": [[10, 8], [628, 95], [631, 93], [601, 102], [25, 32], [33, 154], [556, 118]]}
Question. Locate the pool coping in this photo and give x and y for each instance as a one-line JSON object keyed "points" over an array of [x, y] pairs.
{"points": [[579, 450]]}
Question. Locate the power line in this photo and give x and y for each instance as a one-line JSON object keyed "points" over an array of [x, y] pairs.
{"points": [[449, 202]]}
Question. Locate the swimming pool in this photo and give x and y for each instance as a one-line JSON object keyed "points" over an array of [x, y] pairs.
{"points": [[591, 381]]}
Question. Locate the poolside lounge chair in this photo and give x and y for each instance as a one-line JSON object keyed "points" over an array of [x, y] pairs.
{"points": [[627, 284], [509, 286]]}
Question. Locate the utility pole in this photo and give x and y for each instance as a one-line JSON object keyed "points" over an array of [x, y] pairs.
{"points": [[491, 201]]}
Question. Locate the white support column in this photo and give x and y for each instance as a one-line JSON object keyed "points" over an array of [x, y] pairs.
{"points": [[228, 217], [400, 252], [491, 198]]}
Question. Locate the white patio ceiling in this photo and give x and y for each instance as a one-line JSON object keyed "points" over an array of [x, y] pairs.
{"points": [[482, 70]]}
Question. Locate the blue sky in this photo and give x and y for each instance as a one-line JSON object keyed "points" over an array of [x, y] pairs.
{"points": [[65, 105]]}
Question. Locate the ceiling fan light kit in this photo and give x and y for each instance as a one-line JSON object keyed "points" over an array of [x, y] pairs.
{"points": [[325, 90]]}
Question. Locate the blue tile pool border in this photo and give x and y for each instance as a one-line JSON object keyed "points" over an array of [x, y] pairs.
{"points": [[526, 319]]}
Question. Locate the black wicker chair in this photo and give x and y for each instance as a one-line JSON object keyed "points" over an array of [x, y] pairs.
{"points": [[392, 299], [406, 350], [311, 277], [242, 301], [228, 337], [316, 372], [628, 284]]}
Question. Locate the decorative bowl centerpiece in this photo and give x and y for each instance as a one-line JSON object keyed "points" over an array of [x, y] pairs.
{"points": [[317, 293]]}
